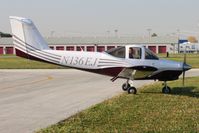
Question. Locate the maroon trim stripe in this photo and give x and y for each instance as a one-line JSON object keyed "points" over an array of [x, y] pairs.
{"points": [[36, 51], [17, 38], [44, 58]]}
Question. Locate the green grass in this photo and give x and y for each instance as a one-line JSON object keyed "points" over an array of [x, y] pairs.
{"points": [[148, 111], [14, 62], [192, 59]]}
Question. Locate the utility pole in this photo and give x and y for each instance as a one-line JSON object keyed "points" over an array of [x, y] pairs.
{"points": [[52, 33], [149, 32], [116, 32]]}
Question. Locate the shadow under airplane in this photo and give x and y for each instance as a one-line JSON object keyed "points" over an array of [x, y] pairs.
{"points": [[181, 91]]}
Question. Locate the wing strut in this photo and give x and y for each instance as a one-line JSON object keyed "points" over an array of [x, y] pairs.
{"points": [[114, 78]]}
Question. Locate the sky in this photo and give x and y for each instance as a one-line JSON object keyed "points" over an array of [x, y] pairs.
{"points": [[103, 17]]}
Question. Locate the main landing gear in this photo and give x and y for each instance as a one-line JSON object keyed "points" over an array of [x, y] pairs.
{"points": [[166, 89], [130, 89]]}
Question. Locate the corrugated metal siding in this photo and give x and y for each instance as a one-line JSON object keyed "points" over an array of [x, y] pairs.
{"points": [[113, 40], [102, 40]]}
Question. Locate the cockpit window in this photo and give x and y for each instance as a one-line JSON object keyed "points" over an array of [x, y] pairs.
{"points": [[150, 55], [117, 52], [135, 53]]}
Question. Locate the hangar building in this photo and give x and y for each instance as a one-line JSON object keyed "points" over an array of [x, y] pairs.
{"points": [[100, 44]]}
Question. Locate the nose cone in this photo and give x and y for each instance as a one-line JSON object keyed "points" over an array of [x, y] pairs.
{"points": [[186, 67]]}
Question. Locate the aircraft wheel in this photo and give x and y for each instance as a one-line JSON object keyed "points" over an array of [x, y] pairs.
{"points": [[166, 90], [132, 90], [125, 86]]}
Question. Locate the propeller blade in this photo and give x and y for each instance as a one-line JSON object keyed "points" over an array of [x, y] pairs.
{"points": [[185, 57], [183, 77], [183, 69]]}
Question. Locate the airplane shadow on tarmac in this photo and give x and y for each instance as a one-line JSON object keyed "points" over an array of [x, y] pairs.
{"points": [[181, 91]]}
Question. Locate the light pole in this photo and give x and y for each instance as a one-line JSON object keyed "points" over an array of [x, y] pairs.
{"points": [[108, 33], [116, 31], [149, 31], [52, 33]]}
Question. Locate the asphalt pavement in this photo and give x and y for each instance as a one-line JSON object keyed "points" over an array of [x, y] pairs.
{"points": [[34, 99]]}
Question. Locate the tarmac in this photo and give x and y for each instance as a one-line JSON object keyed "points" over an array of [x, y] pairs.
{"points": [[34, 99]]}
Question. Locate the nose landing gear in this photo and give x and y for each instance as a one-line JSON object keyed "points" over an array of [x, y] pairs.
{"points": [[129, 88], [125, 86], [166, 89]]}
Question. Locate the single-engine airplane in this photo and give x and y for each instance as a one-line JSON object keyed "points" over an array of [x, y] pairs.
{"points": [[131, 62]]}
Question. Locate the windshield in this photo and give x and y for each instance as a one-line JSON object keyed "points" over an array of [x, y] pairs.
{"points": [[150, 55], [117, 52]]}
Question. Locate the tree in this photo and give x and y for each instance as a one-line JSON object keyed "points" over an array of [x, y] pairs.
{"points": [[192, 39], [154, 35], [5, 34]]}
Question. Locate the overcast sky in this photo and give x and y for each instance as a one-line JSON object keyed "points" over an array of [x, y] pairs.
{"points": [[102, 17]]}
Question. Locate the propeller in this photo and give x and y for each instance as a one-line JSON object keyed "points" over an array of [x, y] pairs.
{"points": [[185, 67]]}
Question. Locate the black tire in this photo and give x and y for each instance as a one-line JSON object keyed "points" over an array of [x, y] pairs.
{"points": [[166, 90], [125, 86], [132, 90]]}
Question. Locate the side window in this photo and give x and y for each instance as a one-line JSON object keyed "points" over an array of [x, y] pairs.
{"points": [[117, 52], [135, 53]]}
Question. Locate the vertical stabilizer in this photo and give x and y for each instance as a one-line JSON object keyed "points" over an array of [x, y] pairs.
{"points": [[26, 34]]}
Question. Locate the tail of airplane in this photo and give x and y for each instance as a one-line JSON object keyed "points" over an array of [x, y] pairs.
{"points": [[26, 36], [29, 43]]}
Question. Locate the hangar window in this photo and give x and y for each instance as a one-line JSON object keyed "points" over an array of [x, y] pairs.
{"points": [[117, 52], [150, 55]]}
